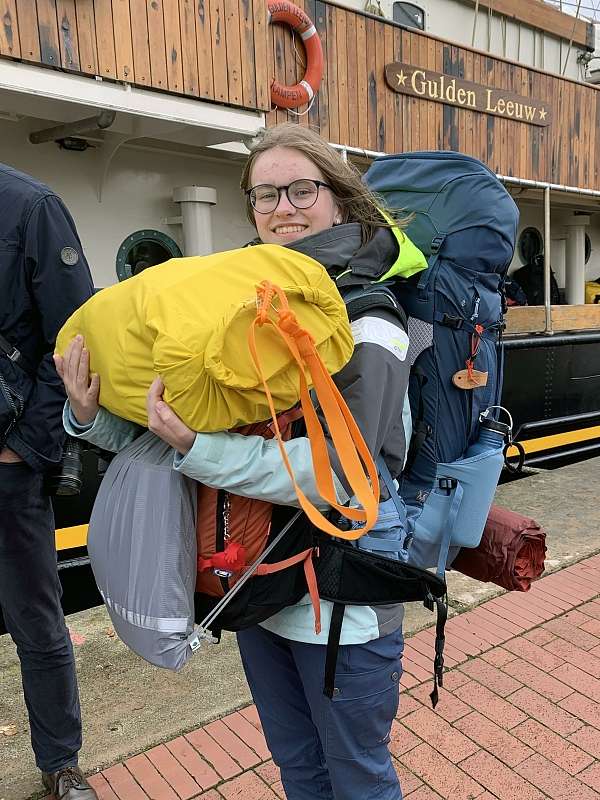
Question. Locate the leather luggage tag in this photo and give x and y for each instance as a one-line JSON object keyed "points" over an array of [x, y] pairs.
{"points": [[476, 380]]}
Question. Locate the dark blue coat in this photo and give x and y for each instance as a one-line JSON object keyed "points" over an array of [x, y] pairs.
{"points": [[44, 277]]}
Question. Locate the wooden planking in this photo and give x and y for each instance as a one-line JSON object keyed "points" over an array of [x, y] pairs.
{"points": [[380, 143], [249, 98], [123, 40], [10, 44], [86, 37], [157, 44], [29, 34], [262, 55], [189, 57], [342, 76], [67, 34], [310, 6], [107, 64], [48, 30], [235, 93], [332, 66], [173, 46], [532, 319], [219, 50], [140, 42], [204, 44]]}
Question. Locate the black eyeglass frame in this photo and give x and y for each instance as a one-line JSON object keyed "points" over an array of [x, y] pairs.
{"points": [[286, 189]]}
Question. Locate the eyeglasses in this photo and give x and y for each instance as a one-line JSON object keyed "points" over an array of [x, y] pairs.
{"points": [[302, 193]]}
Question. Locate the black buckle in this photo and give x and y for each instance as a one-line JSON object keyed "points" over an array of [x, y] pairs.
{"points": [[452, 322], [447, 484], [436, 244]]}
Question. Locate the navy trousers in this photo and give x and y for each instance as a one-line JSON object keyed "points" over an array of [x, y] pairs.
{"points": [[30, 599], [327, 749]]}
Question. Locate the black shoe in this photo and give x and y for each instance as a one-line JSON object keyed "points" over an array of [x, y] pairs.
{"points": [[68, 783]]}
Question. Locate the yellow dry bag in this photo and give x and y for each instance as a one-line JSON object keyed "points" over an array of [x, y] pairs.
{"points": [[187, 320]]}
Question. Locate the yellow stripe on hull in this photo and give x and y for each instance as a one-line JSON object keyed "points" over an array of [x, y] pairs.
{"points": [[76, 536], [68, 538], [556, 440]]}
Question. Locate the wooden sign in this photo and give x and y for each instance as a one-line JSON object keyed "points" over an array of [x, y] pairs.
{"points": [[448, 89]]}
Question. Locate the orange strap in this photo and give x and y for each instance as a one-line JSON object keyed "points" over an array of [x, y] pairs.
{"points": [[309, 574], [347, 439]]}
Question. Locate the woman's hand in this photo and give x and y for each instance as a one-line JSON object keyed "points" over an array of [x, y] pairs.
{"points": [[82, 389], [165, 423]]}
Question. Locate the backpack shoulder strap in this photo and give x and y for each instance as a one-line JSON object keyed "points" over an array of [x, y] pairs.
{"points": [[363, 298]]}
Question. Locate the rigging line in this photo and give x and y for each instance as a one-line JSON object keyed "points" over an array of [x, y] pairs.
{"points": [[572, 36]]}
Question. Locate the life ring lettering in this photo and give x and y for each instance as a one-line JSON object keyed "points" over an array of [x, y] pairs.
{"points": [[303, 91]]}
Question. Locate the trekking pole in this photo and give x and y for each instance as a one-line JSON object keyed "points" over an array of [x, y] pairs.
{"points": [[201, 633]]}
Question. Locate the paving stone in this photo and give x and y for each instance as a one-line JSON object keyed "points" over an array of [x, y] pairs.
{"points": [[591, 776], [123, 783], [498, 656], [221, 761], [424, 793], [500, 623], [449, 707], [188, 756], [248, 734], [269, 772], [538, 656], [402, 739], [247, 787], [554, 781], [499, 779], [232, 744], [490, 705], [493, 738], [440, 735], [591, 609], [173, 772], [555, 748], [149, 778], [578, 679], [588, 738], [439, 773], [408, 704], [545, 712], [408, 780], [539, 636], [592, 626], [491, 677], [571, 633], [102, 787], [531, 676], [582, 707]]}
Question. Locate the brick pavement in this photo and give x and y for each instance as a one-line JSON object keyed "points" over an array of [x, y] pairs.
{"points": [[518, 718]]}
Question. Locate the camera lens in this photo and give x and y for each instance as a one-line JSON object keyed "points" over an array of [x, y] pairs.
{"points": [[67, 481]]}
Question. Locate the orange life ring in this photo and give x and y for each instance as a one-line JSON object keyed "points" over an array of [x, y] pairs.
{"points": [[303, 92]]}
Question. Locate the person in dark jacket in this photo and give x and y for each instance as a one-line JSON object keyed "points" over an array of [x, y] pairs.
{"points": [[44, 277]]}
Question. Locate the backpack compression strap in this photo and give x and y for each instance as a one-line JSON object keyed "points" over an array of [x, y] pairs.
{"points": [[354, 455]]}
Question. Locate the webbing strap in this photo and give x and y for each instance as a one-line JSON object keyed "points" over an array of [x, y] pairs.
{"points": [[309, 573], [333, 646], [440, 639], [353, 453], [457, 492]]}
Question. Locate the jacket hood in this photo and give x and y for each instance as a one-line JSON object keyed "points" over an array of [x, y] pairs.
{"points": [[340, 249]]}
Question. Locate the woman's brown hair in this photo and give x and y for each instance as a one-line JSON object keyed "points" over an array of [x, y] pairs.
{"points": [[356, 201]]}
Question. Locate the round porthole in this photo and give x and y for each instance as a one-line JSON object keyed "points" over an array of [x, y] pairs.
{"points": [[531, 245], [144, 249], [588, 248]]}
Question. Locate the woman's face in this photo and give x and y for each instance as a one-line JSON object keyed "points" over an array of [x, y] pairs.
{"points": [[281, 166]]}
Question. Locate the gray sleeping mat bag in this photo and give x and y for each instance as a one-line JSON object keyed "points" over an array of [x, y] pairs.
{"points": [[142, 546]]}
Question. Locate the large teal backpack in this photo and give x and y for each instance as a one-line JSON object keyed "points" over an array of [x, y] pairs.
{"points": [[465, 223]]}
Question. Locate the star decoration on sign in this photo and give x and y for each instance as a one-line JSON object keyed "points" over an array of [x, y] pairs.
{"points": [[543, 113], [401, 78]]}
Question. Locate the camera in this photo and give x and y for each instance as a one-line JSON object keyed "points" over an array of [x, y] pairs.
{"points": [[67, 479]]}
